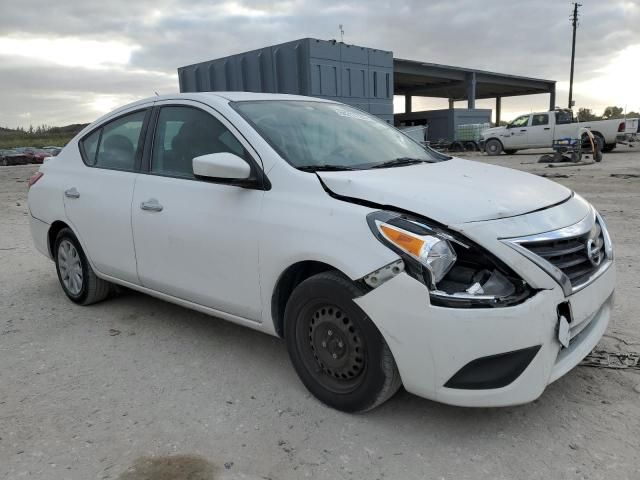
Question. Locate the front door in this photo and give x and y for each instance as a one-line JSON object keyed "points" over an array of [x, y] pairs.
{"points": [[195, 239], [97, 198], [515, 135], [540, 132]]}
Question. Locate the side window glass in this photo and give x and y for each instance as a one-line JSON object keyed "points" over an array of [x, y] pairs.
{"points": [[541, 119], [89, 147], [520, 121], [564, 117], [183, 133], [119, 142]]}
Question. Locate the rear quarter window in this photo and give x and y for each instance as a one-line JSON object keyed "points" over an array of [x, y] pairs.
{"points": [[114, 145]]}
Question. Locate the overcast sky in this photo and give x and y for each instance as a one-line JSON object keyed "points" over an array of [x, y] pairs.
{"points": [[69, 61]]}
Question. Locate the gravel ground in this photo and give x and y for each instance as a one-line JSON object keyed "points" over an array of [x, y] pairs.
{"points": [[135, 388]]}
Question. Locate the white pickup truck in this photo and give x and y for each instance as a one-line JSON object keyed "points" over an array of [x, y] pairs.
{"points": [[539, 130]]}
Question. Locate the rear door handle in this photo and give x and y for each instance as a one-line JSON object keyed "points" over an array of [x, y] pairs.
{"points": [[72, 193], [547, 128], [151, 205], [523, 130]]}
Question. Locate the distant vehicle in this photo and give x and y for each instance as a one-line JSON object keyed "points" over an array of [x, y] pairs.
{"points": [[13, 157], [37, 155], [52, 151], [381, 262], [539, 130]]}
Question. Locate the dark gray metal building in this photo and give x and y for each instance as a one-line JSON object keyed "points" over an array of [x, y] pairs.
{"points": [[364, 77], [358, 76]]}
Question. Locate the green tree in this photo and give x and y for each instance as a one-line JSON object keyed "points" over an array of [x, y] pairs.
{"points": [[613, 112], [587, 115]]}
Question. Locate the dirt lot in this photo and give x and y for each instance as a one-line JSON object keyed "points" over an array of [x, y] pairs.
{"points": [[135, 388]]}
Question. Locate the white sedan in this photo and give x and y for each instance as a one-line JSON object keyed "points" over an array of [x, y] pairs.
{"points": [[381, 263]]}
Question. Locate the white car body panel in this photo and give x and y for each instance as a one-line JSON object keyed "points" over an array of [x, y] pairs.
{"points": [[430, 343], [456, 191], [221, 249], [101, 218], [184, 250]]}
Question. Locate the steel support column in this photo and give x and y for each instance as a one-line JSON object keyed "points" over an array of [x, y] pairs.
{"points": [[451, 103], [498, 110], [407, 104], [552, 98], [471, 90]]}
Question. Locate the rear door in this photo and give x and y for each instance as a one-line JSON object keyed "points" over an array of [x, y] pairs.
{"points": [[516, 135], [197, 239], [97, 198], [540, 133]]}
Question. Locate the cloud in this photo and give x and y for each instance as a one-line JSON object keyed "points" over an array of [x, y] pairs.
{"points": [[93, 54]]}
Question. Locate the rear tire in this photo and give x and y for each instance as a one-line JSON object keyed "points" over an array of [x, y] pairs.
{"points": [[77, 278], [608, 147], [510, 152], [493, 147], [470, 146], [337, 351]]}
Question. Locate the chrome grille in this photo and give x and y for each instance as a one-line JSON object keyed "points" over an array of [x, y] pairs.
{"points": [[573, 256], [578, 257]]}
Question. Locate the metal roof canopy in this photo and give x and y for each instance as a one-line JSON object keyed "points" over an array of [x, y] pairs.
{"points": [[413, 78]]}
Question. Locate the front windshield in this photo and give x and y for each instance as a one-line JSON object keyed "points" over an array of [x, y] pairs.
{"points": [[310, 135]]}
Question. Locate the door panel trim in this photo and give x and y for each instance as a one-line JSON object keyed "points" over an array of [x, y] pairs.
{"points": [[255, 324]]}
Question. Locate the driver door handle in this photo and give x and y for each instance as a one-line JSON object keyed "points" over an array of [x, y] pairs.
{"points": [[523, 130], [151, 205], [547, 128], [72, 193]]}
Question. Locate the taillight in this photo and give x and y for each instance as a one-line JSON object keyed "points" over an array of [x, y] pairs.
{"points": [[621, 127], [34, 178]]}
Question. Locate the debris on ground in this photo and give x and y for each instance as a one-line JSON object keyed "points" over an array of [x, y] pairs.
{"points": [[554, 175], [625, 175], [615, 360], [569, 164]]}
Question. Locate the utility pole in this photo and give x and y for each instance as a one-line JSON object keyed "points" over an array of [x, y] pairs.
{"points": [[574, 22]]}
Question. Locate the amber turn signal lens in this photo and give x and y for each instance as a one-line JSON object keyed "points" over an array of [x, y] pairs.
{"points": [[406, 242]]}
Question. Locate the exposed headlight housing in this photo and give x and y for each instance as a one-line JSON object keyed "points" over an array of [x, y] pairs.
{"points": [[457, 272], [433, 252]]}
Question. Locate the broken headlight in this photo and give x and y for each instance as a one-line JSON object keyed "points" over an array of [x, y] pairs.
{"points": [[457, 272]]}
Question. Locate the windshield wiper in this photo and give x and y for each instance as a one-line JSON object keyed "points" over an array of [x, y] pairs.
{"points": [[400, 162], [325, 168]]}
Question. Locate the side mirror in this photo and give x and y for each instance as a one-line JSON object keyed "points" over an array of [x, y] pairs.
{"points": [[509, 125], [223, 165]]}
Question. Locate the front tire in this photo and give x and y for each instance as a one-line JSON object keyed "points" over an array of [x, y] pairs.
{"points": [[493, 147], [337, 351], [609, 147], [77, 278]]}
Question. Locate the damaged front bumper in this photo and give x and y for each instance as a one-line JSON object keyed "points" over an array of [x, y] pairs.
{"points": [[432, 344]]}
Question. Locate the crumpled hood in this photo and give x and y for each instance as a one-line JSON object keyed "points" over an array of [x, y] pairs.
{"points": [[450, 192]]}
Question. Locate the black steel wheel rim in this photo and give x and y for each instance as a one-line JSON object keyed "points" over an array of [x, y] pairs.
{"points": [[332, 348]]}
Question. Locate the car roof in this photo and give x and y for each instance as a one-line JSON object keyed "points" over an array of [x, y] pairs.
{"points": [[217, 97], [210, 98]]}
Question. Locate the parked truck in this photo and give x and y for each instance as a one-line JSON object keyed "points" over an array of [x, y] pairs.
{"points": [[539, 130]]}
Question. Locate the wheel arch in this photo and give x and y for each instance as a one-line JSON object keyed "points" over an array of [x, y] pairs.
{"points": [[54, 229], [491, 139], [288, 280]]}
